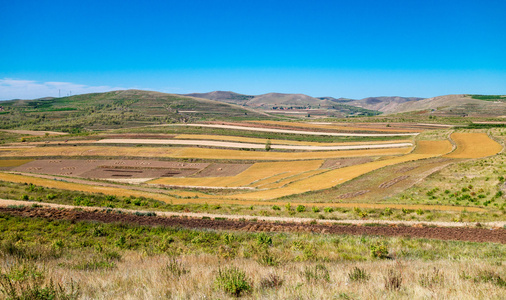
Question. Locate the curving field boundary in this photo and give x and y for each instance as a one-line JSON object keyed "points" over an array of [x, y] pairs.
{"points": [[192, 152], [250, 145], [280, 142], [473, 145], [444, 233], [292, 131]]}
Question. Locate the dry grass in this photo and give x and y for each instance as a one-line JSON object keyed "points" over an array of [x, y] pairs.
{"points": [[474, 145], [14, 162], [191, 152], [141, 277]]}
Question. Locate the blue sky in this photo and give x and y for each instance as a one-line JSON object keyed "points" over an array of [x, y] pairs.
{"points": [[336, 48]]}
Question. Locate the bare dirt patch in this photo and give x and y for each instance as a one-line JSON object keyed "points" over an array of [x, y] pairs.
{"points": [[341, 163], [387, 184], [137, 136], [222, 170], [497, 235], [111, 168]]}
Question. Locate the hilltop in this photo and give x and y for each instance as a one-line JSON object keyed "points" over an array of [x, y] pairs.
{"points": [[115, 109], [457, 105], [383, 104], [290, 104]]}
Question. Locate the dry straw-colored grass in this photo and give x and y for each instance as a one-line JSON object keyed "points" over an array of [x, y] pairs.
{"points": [[474, 145], [192, 152], [147, 277], [14, 162]]}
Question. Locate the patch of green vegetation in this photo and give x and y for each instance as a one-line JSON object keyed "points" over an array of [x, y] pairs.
{"points": [[489, 97], [104, 244]]}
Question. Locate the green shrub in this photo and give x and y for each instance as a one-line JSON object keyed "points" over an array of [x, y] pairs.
{"points": [[27, 282], [379, 250], [328, 209], [264, 239], [232, 281], [358, 274], [318, 272], [275, 207], [268, 259], [300, 208], [316, 209]]}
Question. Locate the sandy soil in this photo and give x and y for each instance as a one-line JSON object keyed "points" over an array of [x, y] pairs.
{"points": [[250, 145]]}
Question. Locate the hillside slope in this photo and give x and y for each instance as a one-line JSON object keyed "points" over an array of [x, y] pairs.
{"points": [[454, 105], [383, 104], [114, 109]]}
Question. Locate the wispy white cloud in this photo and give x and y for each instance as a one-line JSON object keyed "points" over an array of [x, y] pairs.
{"points": [[31, 89]]}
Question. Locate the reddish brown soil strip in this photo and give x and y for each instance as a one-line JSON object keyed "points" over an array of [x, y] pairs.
{"points": [[137, 136], [440, 233], [352, 195], [388, 184]]}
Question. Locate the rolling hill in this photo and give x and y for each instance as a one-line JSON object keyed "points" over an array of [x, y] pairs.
{"points": [[455, 105], [383, 104], [115, 109], [289, 103]]}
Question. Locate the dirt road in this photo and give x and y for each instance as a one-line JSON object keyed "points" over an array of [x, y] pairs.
{"points": [[113, 216]]}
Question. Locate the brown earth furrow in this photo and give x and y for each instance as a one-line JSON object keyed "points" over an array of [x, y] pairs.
{"points": [[441, 233]]}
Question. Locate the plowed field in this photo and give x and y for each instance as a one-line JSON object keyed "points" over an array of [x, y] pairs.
{"points": [[442, 233], [190, 152]]}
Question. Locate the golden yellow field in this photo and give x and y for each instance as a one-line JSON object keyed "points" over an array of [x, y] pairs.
{"points": [[335, 126], [256, 174], [191, 152], [278, 142], [332, 178], [433, 147], [14, 162], [82, 187], [210, 199], [474, 145], [287, 180]]}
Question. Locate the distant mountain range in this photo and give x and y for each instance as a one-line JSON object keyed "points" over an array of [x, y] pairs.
{"points": [[270, 100]]}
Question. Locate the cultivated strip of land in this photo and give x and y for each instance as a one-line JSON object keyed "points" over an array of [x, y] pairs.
{"points": [[291, 131], [249, 145]]}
